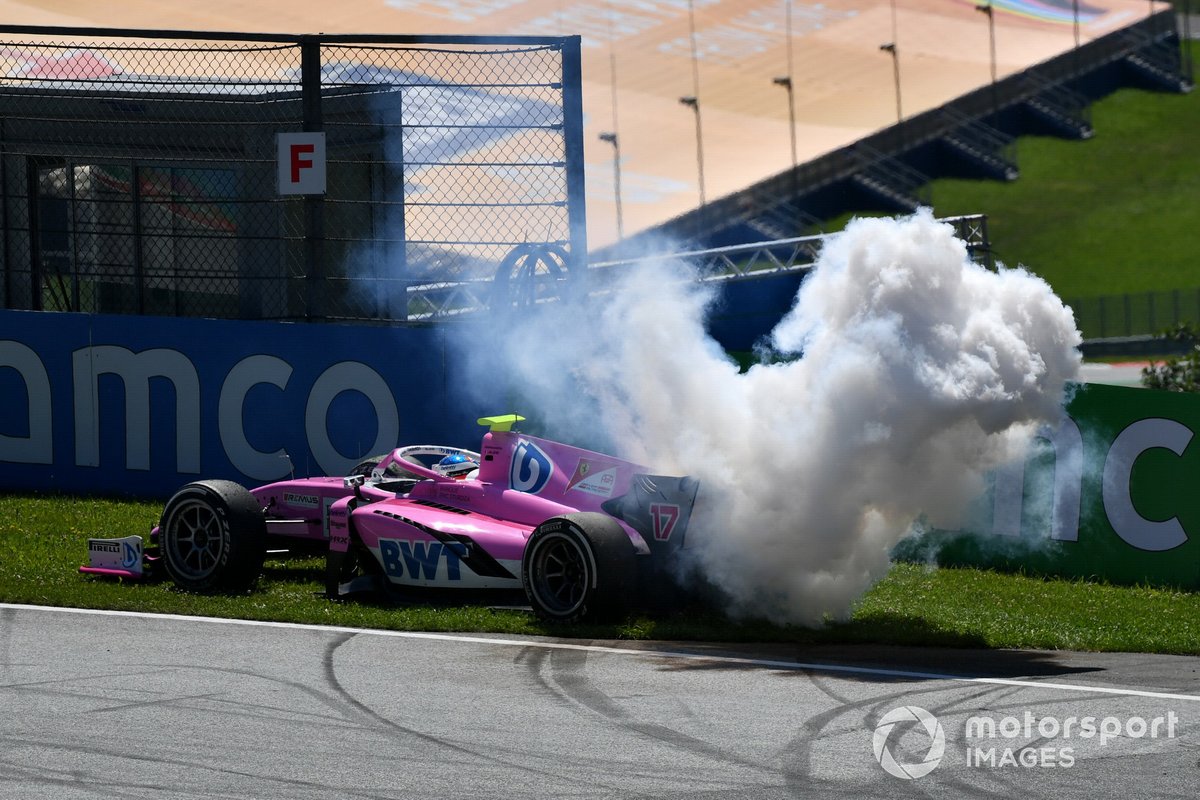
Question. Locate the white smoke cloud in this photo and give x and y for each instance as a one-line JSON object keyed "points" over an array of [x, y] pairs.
{"points": [[915, 372]]}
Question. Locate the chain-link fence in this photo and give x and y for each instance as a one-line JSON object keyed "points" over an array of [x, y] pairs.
{"points": [[138, 170], [1137, 314]]}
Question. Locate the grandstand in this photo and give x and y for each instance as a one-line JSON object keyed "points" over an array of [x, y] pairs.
{"points": [[742, 120]]}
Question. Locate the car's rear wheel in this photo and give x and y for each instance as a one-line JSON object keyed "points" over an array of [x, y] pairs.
{"points": [[578, 567], [213, 537]]}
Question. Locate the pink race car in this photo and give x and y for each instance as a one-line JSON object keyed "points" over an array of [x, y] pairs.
{"points": [[580, 532]]}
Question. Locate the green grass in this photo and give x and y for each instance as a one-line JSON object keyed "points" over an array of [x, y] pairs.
{"points": [[1115, 214], [43, 541]]}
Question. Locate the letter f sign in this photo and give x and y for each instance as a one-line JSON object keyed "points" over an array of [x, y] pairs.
{"points": [[301, 157], [300, 161]]}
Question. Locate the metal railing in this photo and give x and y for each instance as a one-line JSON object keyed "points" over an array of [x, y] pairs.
{"points": [[534, 276], [797, 254]]}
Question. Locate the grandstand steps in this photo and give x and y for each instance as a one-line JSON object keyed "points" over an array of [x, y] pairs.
{"points": [[1056, 109], [783, 220], [974, 136], [1160, 72], [982, 148], [877, 186], [769, 226], [989, 163], [888, 180], [1061, 121]]}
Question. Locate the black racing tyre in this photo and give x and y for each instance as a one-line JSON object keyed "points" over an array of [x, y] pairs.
{"points": [[213, 537], [578, 567]]}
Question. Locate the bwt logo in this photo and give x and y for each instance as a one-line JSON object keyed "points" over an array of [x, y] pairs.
{"points": [[421, 560]]}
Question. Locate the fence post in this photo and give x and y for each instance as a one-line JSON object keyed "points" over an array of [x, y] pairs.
{"points": [[572, 75], [5, 255], [401, 232], [35, 234], [314, 205]]}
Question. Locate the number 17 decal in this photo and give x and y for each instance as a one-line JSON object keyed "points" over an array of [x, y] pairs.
{"points": [[664, 515]]}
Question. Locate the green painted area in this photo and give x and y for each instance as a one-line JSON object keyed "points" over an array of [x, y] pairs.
{"points": [[1110, 495]]}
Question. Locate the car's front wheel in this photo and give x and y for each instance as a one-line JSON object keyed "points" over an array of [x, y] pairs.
{"points": [[213, 537], [578, 567]]}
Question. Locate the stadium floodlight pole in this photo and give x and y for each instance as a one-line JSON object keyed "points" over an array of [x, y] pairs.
{"points": [[991, 15], [890, 47], [786, 82], [611, 138], [691, 102], [1075, 19]]}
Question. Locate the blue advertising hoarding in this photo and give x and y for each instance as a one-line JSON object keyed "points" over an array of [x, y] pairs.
{"points": [[140, 405]]}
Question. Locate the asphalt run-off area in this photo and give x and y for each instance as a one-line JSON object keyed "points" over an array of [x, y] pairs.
{"points": [[114, 704]]}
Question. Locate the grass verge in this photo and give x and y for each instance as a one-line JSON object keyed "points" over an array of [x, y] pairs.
{"points": [[43, 540], [1114, 214], [1109, 215]]}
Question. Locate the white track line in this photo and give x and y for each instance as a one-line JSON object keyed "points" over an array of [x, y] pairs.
{"points": [[627, 651]]}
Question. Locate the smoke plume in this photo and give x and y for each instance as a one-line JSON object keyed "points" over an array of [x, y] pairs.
{"points": [[903, 374]]}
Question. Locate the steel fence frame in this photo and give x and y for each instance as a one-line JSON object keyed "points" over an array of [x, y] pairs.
{"points": [[450, 202]]}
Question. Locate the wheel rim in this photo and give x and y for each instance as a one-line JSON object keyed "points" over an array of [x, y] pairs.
{"points": [[194, 539], [559, 575]]}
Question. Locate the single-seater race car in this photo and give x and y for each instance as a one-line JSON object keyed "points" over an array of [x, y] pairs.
{"points": [[582, 533]]}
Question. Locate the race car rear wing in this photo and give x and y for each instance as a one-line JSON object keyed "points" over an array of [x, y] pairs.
{"points": [[659, 507]]}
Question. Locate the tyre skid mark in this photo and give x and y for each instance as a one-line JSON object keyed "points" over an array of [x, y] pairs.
{"points": [[120, 754], [568, 670], [397, 731], [342, 713], [878, 705]]}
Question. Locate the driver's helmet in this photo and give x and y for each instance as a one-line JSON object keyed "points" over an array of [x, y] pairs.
{"points": [[456, 465]]}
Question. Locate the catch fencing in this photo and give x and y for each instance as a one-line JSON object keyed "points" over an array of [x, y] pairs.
{"points": [[1135, 314], [138, 169]]}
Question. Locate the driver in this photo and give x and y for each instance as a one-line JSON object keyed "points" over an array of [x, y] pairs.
{"points": [[456, 466]]}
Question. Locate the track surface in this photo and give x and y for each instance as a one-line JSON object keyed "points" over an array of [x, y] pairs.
{"points": [[1125, 374], [131, 706]]}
